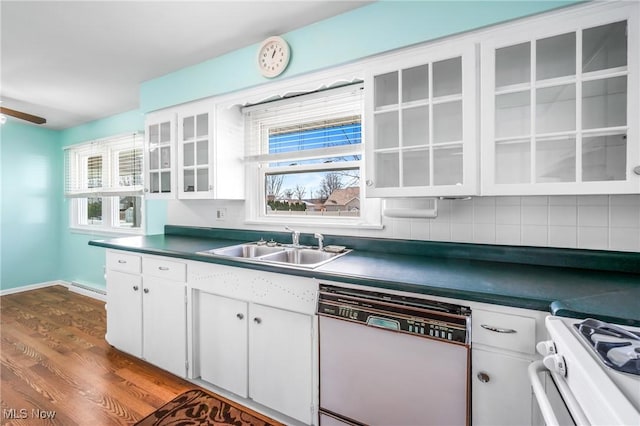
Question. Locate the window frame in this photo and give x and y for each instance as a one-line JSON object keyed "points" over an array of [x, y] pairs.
{"points": [[78, 190]]}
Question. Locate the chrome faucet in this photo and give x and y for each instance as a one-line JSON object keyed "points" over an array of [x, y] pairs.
{"points": [[295, 236], [320, 238]]}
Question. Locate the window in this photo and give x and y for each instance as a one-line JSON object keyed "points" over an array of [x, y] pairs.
{"points": [[103, 179], [305, 154]]}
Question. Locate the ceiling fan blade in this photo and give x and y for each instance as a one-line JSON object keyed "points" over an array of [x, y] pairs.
{"points": [[22, 115]]}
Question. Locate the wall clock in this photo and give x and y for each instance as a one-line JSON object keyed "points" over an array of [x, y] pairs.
{"points": [[273, 56]]}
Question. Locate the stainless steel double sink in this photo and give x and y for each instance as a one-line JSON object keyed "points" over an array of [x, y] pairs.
{"points": [[285, 255]]}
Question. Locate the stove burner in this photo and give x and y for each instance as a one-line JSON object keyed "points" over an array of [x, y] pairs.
{"points": [[616, 347]]}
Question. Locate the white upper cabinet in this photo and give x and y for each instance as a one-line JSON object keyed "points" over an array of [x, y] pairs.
{"points": [[195, 151], [160, 138], [560, 104], [421, 123]]}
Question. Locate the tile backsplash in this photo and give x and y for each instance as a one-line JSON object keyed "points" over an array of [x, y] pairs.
{"points": [[604, 222]]}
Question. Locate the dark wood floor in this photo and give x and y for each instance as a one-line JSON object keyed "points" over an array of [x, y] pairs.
{"points": [[54, 359]]}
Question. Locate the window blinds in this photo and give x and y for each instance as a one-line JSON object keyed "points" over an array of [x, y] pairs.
{"points": [[268, 125], [108, 167]]}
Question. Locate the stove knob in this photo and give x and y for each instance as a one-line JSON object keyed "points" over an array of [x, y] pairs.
{"points": [[546, 347], [556, 364]]}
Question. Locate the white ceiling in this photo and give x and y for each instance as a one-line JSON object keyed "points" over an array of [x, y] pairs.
{"points": [[76, 61]]}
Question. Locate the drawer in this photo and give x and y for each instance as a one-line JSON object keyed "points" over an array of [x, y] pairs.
{"points": [[506, 331], [124, 262], [161, 268]]}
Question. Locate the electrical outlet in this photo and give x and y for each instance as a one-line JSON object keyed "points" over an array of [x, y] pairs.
{"points": [[221, 213]]}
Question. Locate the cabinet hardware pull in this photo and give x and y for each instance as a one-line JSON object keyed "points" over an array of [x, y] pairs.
{"points": [[163, 268], [135, 288], [257, 320], [369, 182], [483, 377], [146, 290], [498, 329], [240, 316], [636, 170], [122, 261]]}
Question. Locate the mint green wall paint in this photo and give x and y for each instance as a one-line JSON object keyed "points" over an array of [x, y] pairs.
{"points": [[363, 32], [31, 170]]}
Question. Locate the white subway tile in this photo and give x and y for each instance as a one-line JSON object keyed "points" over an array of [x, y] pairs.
{"points": [[484, 214], [508, 201], [563, 215], [444, 211], [592, 215], [484, 201], [462, 232], [508, 214], [419, 229], [626, 239], [563, 236], [625, 200], [593, 237], [462, 211], [484, 233], [624, 216], [402, 229], [534, 215], [593, 200], [563, 200], [508, 234], [538, 200], [534, 235], [440, 231]]}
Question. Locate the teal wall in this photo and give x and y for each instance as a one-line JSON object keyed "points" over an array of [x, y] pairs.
{"points": [[366, 31], [37, 245], [31, 169]]}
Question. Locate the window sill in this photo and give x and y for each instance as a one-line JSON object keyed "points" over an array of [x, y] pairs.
{"points": [[293, 222], [105, 232]]}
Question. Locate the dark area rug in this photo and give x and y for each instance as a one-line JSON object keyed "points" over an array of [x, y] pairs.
{"points": [[197, 407]]}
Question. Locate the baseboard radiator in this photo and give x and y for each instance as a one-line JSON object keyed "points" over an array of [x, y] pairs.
{"points": [[96, 293]]}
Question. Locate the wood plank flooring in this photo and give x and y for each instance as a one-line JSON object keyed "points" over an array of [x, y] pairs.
{"points": [[54, 359]]}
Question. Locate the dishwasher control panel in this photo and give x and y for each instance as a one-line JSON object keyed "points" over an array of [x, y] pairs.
{"points": [[411, 315]]}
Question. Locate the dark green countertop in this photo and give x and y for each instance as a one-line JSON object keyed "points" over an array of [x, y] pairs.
{"points": [[510, 276]]}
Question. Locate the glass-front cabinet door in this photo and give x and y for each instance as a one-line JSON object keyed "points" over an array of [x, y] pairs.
{"points": [[420, 129], [195, 142], [560, 110], [160, 155]]}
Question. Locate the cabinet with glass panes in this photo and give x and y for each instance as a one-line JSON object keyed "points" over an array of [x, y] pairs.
{"points": [[159, 161], [420, 110], [560, 110], [210, 150]]}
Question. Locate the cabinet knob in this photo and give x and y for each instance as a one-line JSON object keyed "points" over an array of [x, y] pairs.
{"points": [[135, 288], [483, 377], [240, 316], [257, 320], [636, 170], [146, 290], [146, 190], [498, 329], [369, 182]]}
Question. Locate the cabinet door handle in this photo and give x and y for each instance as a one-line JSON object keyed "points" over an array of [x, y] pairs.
{"points": [[498, 329], [163, 268], [257, 320], [240, 316], [146, 290], [483, 377], [122, 261], [135, 288]]}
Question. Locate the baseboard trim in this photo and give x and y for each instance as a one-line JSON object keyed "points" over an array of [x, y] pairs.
{"points": [[32, 287], [71, 286]]}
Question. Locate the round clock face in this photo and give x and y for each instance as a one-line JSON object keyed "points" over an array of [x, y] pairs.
{"points": [[273, 56]]}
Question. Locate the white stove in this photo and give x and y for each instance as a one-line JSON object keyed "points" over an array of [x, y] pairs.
{"points": [[596, 369]]}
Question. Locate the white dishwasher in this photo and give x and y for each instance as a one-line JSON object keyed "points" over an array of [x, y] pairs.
{"points": [[392, 360]]}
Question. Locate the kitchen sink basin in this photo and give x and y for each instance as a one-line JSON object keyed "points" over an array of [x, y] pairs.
{"points": [[246, 250], [301, 257]]}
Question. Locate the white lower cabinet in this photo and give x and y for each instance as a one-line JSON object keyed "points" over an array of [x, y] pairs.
{"points": [[253, 334], [503, 346], [501, 389], [146, 309]]}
